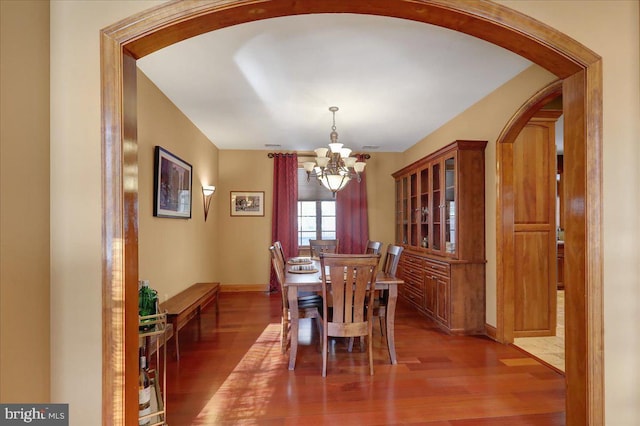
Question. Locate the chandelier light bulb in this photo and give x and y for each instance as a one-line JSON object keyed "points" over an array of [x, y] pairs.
{"points": [[321, 152], [335, 147]]}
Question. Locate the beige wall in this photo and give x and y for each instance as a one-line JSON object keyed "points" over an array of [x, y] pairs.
{"points": [[244, 241], [24, 204], [484, 121], [381, 195], [174, 253], [76, 223], [609, 28]]}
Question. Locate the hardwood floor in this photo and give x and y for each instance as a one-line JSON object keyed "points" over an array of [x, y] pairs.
{"points": [[232, 372]]}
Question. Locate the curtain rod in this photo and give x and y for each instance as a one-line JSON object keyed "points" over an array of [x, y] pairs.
{"points": [[306, 154]]}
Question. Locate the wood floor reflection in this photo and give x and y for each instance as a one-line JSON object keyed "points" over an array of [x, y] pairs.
{"points": [[232, 372]]}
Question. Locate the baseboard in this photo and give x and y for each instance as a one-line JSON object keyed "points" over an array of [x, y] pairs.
{"points": [[227, 288], [491, 332]]}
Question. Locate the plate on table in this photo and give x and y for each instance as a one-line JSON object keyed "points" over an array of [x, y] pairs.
{"points": [[303, 269], [300, 261]]}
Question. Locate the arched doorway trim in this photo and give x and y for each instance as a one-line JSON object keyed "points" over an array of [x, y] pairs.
{"points": [[527, 110], [146, 32]]}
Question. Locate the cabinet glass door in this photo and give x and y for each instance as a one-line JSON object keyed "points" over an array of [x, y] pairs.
{"points": [[414, 211], [436, 207], [401, 211], [424, 207], [450, 204]]}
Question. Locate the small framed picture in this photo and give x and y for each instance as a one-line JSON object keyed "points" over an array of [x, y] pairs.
{"points": [[171, 186], [247, 203]]}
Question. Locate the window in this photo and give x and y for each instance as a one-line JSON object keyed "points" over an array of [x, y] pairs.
{"points": [[316, 221], [316, 211]]}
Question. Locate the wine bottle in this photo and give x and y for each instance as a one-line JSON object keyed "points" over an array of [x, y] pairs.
{"points": [[144, 391]]}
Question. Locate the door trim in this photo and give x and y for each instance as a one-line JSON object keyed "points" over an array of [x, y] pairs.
{"points": [[153, 29]]}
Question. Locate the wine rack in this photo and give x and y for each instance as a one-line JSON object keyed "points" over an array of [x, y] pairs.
{"points": [[152, 332]]}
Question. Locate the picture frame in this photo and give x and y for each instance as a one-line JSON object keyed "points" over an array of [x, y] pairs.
{"points": [[172, 186], [247, 203]]}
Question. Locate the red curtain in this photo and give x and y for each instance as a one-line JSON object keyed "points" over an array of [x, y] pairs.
{"points": [[284, 225], [351, 216]]}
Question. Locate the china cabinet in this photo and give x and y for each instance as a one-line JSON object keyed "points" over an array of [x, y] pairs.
{"points": [[440, 222]]}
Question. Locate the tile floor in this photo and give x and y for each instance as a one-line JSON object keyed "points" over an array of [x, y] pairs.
{"points": [[548, 349]]}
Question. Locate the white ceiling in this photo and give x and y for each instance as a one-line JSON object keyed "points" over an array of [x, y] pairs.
{"points": [[273, 81]]}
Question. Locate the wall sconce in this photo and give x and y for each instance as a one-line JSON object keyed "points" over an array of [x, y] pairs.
{"points": [[207, 192]]}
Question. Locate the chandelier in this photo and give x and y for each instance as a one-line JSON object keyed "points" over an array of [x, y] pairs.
{"points": [[334, 167]]}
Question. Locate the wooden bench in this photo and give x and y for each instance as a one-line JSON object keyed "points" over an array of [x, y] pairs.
{"points": [[188, 304]]}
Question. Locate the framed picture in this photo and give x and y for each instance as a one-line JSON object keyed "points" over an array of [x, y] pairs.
{"points": [[171, 186], [247, 203]]}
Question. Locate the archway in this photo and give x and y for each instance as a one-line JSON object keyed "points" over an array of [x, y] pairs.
{"points": [[580, 69]]}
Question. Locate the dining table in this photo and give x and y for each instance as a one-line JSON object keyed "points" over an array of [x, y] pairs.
{"points": [[308, 278]]}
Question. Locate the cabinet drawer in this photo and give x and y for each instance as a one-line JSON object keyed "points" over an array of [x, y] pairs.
{"points": [[413, 261], [412, 267], [411, 276], [439, 268], [413, 294], [415, 287]]}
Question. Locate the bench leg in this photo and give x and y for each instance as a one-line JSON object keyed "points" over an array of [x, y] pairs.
{"points": [[177, 347], [176, 333], [199, 322]]}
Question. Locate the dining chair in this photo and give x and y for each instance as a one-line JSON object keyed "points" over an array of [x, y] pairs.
{"points": [[373, 247], [348, 278], [389, 266], [304, 295], [280, 251], [309, 306], [323, 246]]}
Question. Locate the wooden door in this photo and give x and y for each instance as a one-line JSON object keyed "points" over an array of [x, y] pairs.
{"points": [[534, 182]]}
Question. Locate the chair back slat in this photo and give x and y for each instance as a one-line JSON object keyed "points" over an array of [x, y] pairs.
{"points": [[280, 252], [392, 259], [323, 246], [373, 247], [278, 266]]}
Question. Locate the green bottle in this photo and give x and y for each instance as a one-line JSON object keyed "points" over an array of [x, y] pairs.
{"points": [[147, 303]]}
